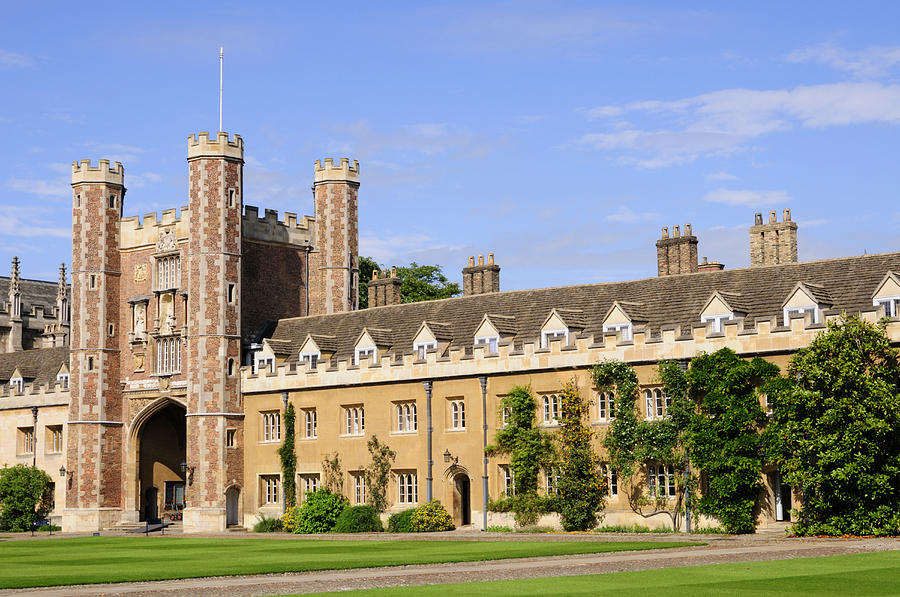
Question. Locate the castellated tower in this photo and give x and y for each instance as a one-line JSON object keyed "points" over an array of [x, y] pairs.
{"points": [[334, 264], [213, 324], [94, 450]]}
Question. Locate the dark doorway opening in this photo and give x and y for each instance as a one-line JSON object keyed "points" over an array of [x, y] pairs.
{"points": [[162, 450], [465, 501]]}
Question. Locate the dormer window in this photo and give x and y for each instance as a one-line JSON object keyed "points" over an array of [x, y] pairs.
{"points": [[548, 336], [889, 303], [63, 379], [422, 348], [17, 384], [716, 320], [263, 363], [623, 329], [363, 352], [806, 298], [310, 360], [812, 309], [492, 343]]}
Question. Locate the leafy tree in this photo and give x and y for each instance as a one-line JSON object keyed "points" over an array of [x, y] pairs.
{"points": [[724, 433], [529, 449], [424, 283], [23, 497], [834, 432], [289, 458], [367, 265], [632, 442], [582, 489], [378, 474], [332, 475], [320, 512]]}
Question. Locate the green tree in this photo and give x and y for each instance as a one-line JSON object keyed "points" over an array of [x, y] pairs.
{"points": [[529, 449], [835, 432], [289, 459], [424, 283], [724, 433], [633, 442], [23, 497], [582, 488], [367, 265], [378, 474]]}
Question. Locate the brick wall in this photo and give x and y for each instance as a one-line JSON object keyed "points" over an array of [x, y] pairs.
{"points": [[273, 284]]}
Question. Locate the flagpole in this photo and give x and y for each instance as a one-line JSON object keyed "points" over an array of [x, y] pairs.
{"points": [[221, 58]]}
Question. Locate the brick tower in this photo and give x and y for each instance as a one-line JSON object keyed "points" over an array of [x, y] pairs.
{"points": [[94, 449], [213, 325], [334, 264]]}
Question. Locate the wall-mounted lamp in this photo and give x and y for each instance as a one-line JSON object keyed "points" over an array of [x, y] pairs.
{"points": [[190, 472], [448, 457], [62, 471]]}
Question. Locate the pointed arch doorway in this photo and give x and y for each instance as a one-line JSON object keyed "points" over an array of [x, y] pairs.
{"points": [[161, 452], [462, 500]]}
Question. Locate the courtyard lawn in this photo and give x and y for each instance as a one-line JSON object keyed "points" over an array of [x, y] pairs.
{"points": [[85, 560], [867, 574]]}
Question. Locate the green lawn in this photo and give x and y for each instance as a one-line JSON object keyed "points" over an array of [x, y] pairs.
{"points": [[866, 574], [120, 559]]}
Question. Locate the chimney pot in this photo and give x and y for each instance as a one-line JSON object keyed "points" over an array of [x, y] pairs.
{"points": [[393, 271], [490, 259], [676, 232], [481, 260], [375, 273], [787, 215], [687, 229], [665, 233], [772, 217], [471, 261]]}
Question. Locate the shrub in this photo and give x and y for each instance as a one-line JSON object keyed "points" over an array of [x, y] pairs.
{"points": [[400, 522], [431, 517], [358, 519], [23, 497], [289, 520], [499, 529], [267, 525], [320, 512]]}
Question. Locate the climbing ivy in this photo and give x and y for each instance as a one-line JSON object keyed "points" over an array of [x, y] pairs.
{"points": [[378, 474], [289, 459], [582, 488], [529, 449]]}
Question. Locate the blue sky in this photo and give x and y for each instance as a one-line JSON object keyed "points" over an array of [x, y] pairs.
{"points": [[560, 136]]}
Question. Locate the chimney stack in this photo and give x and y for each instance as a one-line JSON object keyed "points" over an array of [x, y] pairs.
{"points": [[774, 242], [482, 278], [676, 254], [384, 288], [710, 266]]}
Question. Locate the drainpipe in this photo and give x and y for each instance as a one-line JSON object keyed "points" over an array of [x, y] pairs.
{"points": [[284, 401], [484, 477], [34, 436], [687, 496], [428, 479]]}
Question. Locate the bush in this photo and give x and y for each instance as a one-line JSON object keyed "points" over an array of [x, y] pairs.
{"points": [[23, 497], [289, 520], [320, 511], [431, 517], [358, 519], [267, 525], [400, 522]]}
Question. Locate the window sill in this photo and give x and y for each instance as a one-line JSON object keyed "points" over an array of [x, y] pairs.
{"points": [[270, 441], [456, 430], [352, 435], [309, 439], [416, 432]]}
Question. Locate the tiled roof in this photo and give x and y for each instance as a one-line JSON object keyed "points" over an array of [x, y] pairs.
{"points": [[443, 332], [504, 324], [40, 365], [381, 337], [33, 292], [849, 282], [736, 301]]}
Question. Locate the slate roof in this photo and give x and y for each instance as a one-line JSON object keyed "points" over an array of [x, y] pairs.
{"points": [[39, 366], [504, 324], [668, 300], [33, 292], [735, 300], [382, 338]]}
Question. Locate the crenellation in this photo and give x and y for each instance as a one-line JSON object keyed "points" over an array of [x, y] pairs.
{"points": [[137, 232], [220, 145], [84, 173], [270, 228], [326, 170]]}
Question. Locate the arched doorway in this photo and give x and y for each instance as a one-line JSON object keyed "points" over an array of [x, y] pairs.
{"points": [[162, 450], [462, 499], [232, 506]]}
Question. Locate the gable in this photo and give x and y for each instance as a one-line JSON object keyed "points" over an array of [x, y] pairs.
{"points": [[424, 335], [309, 346], [365, 340], [616, 315], [554, 322], [799, 298], [890, 286], [486, 329], [716, 306]]}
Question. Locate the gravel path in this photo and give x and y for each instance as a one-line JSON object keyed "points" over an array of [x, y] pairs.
{"points": [[719, 550]]}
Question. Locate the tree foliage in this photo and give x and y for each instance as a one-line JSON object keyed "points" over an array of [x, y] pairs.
{"points": [[332, 475], [378, 474], [425, 283], [320, 512], [529, 449], [633, 442], [23, 497], [834, 432], [367, 265], [582, 488], [724, 433], [289, 458]]}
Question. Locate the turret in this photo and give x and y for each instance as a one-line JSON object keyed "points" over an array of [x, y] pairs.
{"points": [[14, 340], [334, 263]]}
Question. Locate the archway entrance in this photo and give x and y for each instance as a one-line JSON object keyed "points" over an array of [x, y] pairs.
{"points": [[462, 499], [232, 506], [162, 450]]}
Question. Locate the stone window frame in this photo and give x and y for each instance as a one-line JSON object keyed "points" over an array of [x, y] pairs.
{"points": [[231, 438], [310, 423], [457, 414], [271, 426], [168, 355], [551, 481], [551, 408], [359, 487], [507, 480], [361, 351], [889, 303], [308, 483], [492, 343], [716, 320], [612, 479], [606, 406], [656, 403], [27, 442], [407, 419], [625, 330], [354, 420], [408, 487], [659, 475], [54, 443], [270, 489], [165, 271]]}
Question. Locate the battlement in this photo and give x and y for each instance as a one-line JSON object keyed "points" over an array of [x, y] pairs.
{"points": [[200, 145], [136, 233], [270, 229], [84, 173], [326, 170]]}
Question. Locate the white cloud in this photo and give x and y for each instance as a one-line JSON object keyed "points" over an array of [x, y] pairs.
{"points": [[14, 59], [721, 175], [28, 221], [746, 197], [870, 63], [626, 216], [403, 248], [726, 121], [54, 187], [116, 152]]}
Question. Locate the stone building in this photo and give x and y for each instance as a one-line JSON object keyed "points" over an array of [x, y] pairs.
{"points": [[156, 385]]}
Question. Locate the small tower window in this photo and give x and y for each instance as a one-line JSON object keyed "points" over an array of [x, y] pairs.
{"points": [[112, 329], [230, 367], [231, 293], [230, 197], [112, 201], [90, 364], [93, 281], [77, 200]]}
